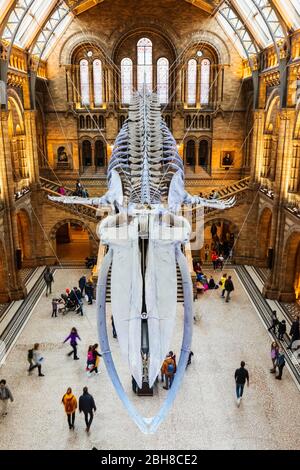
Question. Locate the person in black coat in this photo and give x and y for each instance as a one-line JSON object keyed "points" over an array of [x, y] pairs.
{"points": [[281, 330], [89, 292], [274, 322], [87, 405], [81, 284], [228, 288], [294, 332]]}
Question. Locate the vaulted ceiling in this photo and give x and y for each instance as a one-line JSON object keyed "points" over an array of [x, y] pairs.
{"points": [[252, 25]]}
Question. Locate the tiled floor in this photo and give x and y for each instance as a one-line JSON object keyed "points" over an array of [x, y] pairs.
{"points": [[204, 415]]}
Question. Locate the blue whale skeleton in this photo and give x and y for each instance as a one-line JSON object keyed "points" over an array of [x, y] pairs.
{"points": [[144, 234]]}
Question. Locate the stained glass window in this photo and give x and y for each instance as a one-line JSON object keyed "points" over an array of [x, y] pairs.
{"points": [[126, 80], [144, 61], [163, 80], [192, 82], [204, 81], [97, 80], [84, 82]]}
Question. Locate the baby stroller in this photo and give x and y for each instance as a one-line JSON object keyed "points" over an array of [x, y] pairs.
{"points": [[68, 305]]}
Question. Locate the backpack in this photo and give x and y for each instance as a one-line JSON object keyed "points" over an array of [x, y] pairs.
{"points": [[69, 405], [170, 368], [30, 354], [281, 360]]}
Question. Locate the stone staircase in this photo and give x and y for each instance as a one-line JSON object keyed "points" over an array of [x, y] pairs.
{"points": [[86, 211], [92, 172]]}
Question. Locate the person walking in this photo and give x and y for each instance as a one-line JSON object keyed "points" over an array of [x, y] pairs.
{"points": [[281, 330], [280, 362], [274, 322], [214, 258], [113, 327], [294, 332], [54, 307], [48, 278], [229, 287], [87, 405], [70, 403], [169, 369], [35, 359], [5, 395], [274, 354], [73, 337], [241, 375], [81, 284], [222, 284], [96, 358], [189, 359]]}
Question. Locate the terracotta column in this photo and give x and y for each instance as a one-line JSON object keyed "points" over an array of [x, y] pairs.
{"points": [[16, 287]]}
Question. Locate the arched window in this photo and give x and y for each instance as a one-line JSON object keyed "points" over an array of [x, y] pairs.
{"points": [[84, 82], [163, 80], [126, 80], [144, 64], [101, 122], [204, 83], [192, 82], [88, 122], [203, 153], [207, 122], [97, 79], [99, 153], [81, 122], [201, 122], [190, 153], [95, 121]]}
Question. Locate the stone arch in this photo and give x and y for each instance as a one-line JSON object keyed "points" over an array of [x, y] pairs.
{"points": [[213, 40], [227, 236], [25, 237], [52, 233], [151, 26], [69, 243], [263, 235], [4, 287], [76, 40], [290, 276]]}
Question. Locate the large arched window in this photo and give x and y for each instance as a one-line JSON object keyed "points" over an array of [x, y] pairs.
{"points": [[163, 80], [126, 80], [144, 64], [97, 81], [204, 81], [84, 82], [192, 82]]}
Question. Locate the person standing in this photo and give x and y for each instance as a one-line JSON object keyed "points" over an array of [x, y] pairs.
{"points": [[87, 405], [214, 258], [48, 278], [274, 354], [89, 292], [294, 332], [81, 284], [5, 395], [36, 360], [70, 403], [281, 330], [240, 376], [54, 307], [222, 284], [274, 322], [280, 362], [73, 337], [229, 287]]}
